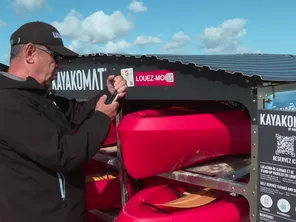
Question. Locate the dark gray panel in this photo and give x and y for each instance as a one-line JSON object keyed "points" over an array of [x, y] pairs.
{"points": [[191, 82], [277, 166]]}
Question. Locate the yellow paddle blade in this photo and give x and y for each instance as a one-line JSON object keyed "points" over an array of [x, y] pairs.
{"points": [[197, 199], [98, 177]]}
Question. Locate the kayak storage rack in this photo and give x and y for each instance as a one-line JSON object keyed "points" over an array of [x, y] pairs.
{"points": [[248, 79]]}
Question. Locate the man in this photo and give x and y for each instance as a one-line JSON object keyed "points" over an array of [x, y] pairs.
{"points": [[46, 140]]}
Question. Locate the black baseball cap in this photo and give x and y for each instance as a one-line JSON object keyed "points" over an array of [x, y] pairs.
{"points": [[41, 33]]}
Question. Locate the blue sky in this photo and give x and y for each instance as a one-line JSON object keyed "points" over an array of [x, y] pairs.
{"points": [[163, 26]]}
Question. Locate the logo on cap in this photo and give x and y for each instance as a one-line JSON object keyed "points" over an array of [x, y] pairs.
{"points": [[56, 35]]}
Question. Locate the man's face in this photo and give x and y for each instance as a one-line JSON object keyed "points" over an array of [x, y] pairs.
{"points": [[40, 63], [45, 65]]}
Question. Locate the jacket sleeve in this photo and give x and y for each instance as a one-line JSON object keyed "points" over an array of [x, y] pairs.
{"points": [[77, 112], [32, 135]]}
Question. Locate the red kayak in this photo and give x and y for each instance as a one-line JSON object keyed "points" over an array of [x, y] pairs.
{"points": [[112, 136], [157, 141], [102, 192], [143, 207], [102, 187]]}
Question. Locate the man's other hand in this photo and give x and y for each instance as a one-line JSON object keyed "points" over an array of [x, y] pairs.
{"points": [[109, 109], [117, 84]]}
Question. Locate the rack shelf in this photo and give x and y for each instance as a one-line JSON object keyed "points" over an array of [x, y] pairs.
{"points": [[108, 216], [219, 174]]}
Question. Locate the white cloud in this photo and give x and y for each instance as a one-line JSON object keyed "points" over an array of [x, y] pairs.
{"points": [[116, 47], [2, 23], [96, 28], [121, 46], [110, 47], [84, 47], [24, 6], [88, 35], [146, 40], [178, 42], [224, 38], [181, 37], [137, 6]]}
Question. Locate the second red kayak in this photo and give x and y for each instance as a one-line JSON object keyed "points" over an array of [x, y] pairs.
{"points": [[143, 208]]}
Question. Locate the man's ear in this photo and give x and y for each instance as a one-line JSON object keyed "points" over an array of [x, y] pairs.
{"points": [[29, 52]]}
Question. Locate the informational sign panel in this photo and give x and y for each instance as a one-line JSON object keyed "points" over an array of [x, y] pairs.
{"points": [[277, 166], [81, 81]]}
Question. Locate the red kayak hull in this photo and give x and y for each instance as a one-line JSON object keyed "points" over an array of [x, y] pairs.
{"points": [[104, 193], [226, 209], [112, 136], [164, 140]]}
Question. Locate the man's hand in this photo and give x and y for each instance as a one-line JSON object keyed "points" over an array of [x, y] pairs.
{"points": [[117, 84], [109, 109]]}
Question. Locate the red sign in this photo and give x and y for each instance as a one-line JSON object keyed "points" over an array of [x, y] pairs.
{"points": [[155, 78]]}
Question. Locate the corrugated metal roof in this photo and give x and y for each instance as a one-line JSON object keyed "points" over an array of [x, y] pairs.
{"points": [[270, 67], [275, 67]]}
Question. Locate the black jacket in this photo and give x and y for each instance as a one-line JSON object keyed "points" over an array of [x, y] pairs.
{"points": [[41, 156]]}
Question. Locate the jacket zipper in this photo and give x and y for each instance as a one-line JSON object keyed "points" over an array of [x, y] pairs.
{"points": [[62, 180], [62, 184]]}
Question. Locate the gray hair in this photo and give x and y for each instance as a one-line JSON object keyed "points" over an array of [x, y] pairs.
{"points": [[15, 51]]}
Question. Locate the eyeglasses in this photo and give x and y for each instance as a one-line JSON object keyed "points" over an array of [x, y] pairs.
{"points": [[52, 54]]}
